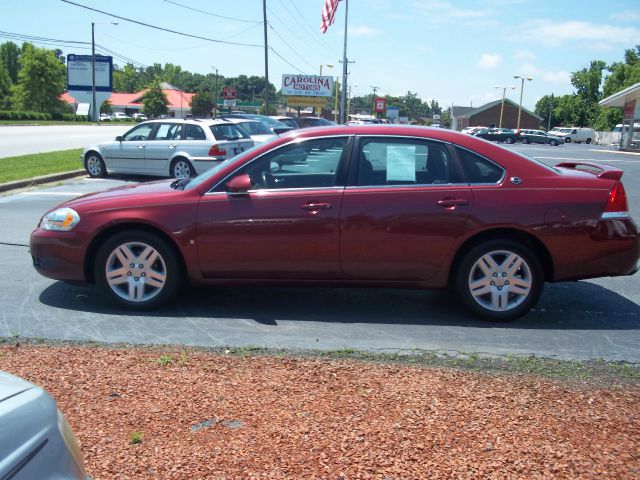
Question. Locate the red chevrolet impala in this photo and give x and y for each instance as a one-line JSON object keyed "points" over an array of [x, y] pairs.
{"points": [[352, 206]]}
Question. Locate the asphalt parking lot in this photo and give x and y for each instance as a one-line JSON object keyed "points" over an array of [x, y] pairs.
{"points": [[578, 320]]}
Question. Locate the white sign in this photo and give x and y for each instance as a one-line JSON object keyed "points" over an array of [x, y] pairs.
{"points": [[401, 163], [307, 85], [83, 109], [79, 75], [229, 103]]}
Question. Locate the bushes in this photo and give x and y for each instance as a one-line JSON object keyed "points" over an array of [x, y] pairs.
{"points": [[21, 115]]}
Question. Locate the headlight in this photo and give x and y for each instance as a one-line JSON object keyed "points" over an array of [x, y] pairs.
{"points": [[62, 220]]}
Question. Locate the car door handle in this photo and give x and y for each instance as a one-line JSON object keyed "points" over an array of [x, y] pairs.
{"points": [[141, 147], [452, 203], [315, 206], [172, 146]]}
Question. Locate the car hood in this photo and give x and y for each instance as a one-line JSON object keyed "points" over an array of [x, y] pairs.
{"points": [[139, 191], [10, 385]]}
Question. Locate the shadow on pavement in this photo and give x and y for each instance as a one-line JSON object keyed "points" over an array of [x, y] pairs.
{"points": [[564, 306]]}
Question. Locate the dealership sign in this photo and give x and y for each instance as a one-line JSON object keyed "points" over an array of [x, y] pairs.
{"points": [[79, 77], [380, 105], [307, 85]]}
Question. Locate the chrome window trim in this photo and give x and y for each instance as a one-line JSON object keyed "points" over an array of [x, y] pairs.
{"points": [[305, 189], [294, 140], [409, 185]]}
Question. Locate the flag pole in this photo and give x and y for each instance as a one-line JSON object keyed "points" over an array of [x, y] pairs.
{"points": [[343, 94]]}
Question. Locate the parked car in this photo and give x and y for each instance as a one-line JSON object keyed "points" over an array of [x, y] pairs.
{"points": [[105, 117], [171, 147], [274, 125], [305, 122], [366, 205], [258, 131], [471, 130], [574, 134], [120, 116], [526, 135], [139, 116], [36, 441], [497, 135]]}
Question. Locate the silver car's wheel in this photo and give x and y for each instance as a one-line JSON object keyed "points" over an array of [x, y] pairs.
{"points": [[136, 272], [181, 168], [499, 279], [94, 165], [138, 269]]}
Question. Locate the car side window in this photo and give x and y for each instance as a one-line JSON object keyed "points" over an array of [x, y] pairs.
{"points": [[309, 164], [479, 169], [227, 132], [168, 131], [194, 132], [404, 162], [139, 133]]}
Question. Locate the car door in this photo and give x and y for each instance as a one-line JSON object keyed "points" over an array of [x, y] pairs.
{"points": [[128, 155], [287, 225], [403, 209], [160, 148]]}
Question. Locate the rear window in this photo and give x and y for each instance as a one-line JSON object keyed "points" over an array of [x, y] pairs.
{"points": [[479, 169], [194, 132], [228, 132], [255, 128]]}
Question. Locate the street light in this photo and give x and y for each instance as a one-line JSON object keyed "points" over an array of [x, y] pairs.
{"points": [[94, 113], [215, 95], [522, 79], [329, 65], [504, 90]]}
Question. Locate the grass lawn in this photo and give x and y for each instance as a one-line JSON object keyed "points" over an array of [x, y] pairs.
{"points": [[34, 165]]}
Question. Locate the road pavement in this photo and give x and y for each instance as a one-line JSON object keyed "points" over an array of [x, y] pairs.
{"points": [[573, 320], [24, 139]]}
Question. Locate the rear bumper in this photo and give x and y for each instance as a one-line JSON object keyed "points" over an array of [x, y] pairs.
{"points": [[57, 255]]}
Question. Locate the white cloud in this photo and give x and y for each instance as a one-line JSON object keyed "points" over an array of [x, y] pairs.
{"points": [[526, 69], [362, 31], [489, 60], [558, 78], [525, 55], [626, 16], [480, 99], [556, 33]]}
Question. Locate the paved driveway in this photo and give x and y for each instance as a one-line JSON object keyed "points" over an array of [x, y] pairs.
{"points": [[24, 139]]}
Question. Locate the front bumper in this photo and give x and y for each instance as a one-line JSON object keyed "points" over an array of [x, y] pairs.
{"points": [[58, 255]]}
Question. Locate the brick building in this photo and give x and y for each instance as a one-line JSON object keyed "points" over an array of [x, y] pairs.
{"points": [[489, 113]]}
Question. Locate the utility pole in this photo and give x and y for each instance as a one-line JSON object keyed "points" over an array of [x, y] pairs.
{"points": [[266, 60], [94, 117], [550, 110], [343, 96], [215, 95], [373, 100]]}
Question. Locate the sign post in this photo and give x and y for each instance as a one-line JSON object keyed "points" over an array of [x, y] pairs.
{"points": [[229, 96]]}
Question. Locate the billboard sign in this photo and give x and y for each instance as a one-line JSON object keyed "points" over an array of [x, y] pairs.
{"points": [[393, 112], [79, 73], [302, 101], [307, 85], [229, 93], [380, 105]]}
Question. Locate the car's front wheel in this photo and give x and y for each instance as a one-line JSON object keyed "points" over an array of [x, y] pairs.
{"points": [[553, 143], [525, 140], [181, 168], [137, 269], [499, 280], [94, 165], [567, 140], [510, 140], [588, 141]]}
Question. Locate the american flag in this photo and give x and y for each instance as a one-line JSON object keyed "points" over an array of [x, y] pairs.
{"points": [[328, 14]]}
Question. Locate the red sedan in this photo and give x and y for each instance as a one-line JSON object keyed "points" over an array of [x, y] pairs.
{"points": [[353, 206]]}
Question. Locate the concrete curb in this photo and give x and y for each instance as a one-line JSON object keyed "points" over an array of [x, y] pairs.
{"points": [[54, 177]]}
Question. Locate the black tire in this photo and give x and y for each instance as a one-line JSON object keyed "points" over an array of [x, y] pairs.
{"points": [[567, 140], [166, 262], [530, 271], [179, 168], [94, 165], [510, 140], [588, 141], [553, 143], [525, 140]]}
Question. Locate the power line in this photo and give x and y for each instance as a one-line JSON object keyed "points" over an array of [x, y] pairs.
{"points": [[213, 14], [286, 61], [315, 34], [290, 47], [160, 28]]}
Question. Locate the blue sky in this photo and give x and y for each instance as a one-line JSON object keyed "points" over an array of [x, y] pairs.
{"points": [[452, 51]]}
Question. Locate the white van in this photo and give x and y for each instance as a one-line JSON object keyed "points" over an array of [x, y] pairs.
{"points": [[574, 134]]}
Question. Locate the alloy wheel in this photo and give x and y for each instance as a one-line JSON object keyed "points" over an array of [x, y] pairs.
{"points": [[181, 169], [94, 166]]}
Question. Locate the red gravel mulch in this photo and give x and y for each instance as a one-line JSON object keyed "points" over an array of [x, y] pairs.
{"points": [[226, 417]]}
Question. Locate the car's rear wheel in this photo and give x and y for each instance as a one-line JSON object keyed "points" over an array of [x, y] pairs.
{"points": [[137, 269], [499, 280], [509, 140], [181, 168], [94, 165], [525, 140], [567, 140], [553, 143]]}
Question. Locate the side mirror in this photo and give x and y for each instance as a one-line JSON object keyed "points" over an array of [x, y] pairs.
{"points": [[239, 184], [119, 138]]}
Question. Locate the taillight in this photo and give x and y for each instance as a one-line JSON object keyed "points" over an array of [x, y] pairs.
{"points": [[617, 203], [216, 151]]}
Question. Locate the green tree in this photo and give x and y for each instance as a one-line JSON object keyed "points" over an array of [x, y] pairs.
{"points": [[155, 101], [545, 108], [623, 74], [10, 58], [106, 107], [5, 89], [127, 79], [587, 83], [202, 104], [41, 80]]}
